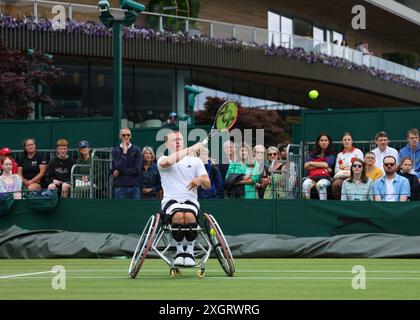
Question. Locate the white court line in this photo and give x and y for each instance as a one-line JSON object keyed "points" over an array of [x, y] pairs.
{"points": [[232, 278], [25, 274], [244, 271]]}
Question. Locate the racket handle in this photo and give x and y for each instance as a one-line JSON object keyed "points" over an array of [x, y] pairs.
{"points": [[205, 141]]}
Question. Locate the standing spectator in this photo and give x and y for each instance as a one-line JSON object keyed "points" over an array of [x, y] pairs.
{"points": [[372, 171], [171, 122], [216, 190], [150, 186], [10, 182], [364, 48], [343, 163], [319, 163], [259, 156], [32, 166], [250, 171], [383, 150], [358, 187], [58, 174], [229, 156], [126, 167], [405, 169], [6, 152], [282, 152], [412, 150], [391, 187]]}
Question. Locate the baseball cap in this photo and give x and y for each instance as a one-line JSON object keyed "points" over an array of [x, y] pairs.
{"points": [[5, 150], [83, 144], [173, 115]]}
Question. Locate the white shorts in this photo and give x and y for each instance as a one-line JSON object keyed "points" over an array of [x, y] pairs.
{"points": [[172, 207]]}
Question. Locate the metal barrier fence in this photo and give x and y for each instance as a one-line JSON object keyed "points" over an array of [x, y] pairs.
{"points": [[40, 9], [94, 180]]}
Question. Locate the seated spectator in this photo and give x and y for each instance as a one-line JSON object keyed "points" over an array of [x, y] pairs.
{"points": [[364, 48], [171, 122], [391, 187], [372, 171], [276, 176], [10, 182], [7, 153], [229, 156], [247, 173], [216, 189], [259, 157], [344, 43], [343, 163], [82, 173], [282, 152], [405, 169], [32, 166], [319, 163], [150, 187], [358, 187], [382, 151], [58, 174], [412, 150]]}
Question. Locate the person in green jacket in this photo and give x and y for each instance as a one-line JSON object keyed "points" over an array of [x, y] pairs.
{"points": [[247, 166]]}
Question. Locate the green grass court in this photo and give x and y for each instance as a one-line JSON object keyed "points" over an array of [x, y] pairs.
{"points": [[254, 279]]}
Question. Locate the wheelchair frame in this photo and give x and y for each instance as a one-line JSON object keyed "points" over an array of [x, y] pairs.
{"points": [[158, 238]]}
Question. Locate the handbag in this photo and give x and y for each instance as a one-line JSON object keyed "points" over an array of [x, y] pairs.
{"points": [[234, 190]]}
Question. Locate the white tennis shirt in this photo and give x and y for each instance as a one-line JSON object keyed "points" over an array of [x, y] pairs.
{"points": [[175, 179]]}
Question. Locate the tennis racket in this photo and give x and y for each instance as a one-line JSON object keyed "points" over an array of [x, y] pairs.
{"points": [[225, 119]]}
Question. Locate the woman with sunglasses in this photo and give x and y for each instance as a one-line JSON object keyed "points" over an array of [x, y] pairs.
{"points": [[276, 175], [358, 187]]}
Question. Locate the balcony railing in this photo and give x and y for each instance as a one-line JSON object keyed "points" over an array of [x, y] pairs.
{"points": [[40, 9]]}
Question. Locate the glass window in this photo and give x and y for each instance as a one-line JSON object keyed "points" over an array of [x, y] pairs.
{"points": [[101, 101], [286, 31], [70, 94], [318, 35], [154, 93], [337, 36], [273, 29]]}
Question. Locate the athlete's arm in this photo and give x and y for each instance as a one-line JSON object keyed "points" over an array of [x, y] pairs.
{"points": [[179, 155], [201, 181]]}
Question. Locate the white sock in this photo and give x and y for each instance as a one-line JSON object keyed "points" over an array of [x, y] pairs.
{"points": [[179, 247], [190, 247]]}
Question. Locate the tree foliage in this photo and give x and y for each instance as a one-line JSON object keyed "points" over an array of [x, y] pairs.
{"points": [[20, 74], [249, 118]]}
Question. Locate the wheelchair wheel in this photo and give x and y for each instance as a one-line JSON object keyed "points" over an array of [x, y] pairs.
{"points": [[219, 243], [143, 245]]}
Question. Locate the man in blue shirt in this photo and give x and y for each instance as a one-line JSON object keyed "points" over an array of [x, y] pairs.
{"points": [[126, 167], [391, 187], [412, 150]]}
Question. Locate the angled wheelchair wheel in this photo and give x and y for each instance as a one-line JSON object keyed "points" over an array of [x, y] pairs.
{"points": [[219, 244], [143, 245]]}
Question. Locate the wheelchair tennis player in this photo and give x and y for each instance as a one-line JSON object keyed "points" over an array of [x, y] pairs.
{"points": [[181, 174]]}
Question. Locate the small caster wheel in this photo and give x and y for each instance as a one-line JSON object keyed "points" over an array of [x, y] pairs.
{"points": [[175, 272], [201, 273]]}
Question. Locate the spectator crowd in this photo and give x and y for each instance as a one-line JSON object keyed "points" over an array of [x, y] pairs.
{"points": [[381, 174]]}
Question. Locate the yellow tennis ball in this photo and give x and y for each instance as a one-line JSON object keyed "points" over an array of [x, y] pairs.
{"points": [[212, 232], [313, 94]]}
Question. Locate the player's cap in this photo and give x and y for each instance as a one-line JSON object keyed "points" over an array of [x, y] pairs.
{"points": [[83, 144], [173, 115]]}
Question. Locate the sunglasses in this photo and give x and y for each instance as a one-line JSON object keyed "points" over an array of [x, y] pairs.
{"points": [[272, 154], [357, 166], [126, 135], [389, 164]]}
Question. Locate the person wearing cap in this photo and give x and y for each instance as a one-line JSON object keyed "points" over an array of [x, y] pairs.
{"points": [[6, 153], [32, 166], [58, 173], [82, 173], [171, 122]]}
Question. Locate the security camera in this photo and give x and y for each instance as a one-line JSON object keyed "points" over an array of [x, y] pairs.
{"points": [[131, 6], [103, 6]]}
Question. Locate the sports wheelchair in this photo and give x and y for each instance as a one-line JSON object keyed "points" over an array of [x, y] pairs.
{"points": [[157, 237]]}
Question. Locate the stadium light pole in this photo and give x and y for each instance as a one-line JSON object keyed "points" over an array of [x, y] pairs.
{"points": [[132, 9]]}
